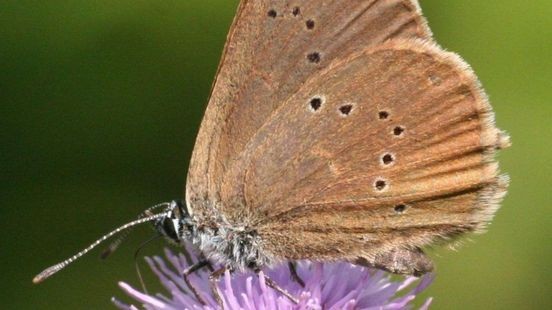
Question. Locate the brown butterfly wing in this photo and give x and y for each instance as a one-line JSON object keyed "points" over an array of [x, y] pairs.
{"points": [[271, 50], [408, 162]]}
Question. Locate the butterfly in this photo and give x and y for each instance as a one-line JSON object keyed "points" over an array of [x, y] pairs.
{"points": [[336, 131], [339, 130]]}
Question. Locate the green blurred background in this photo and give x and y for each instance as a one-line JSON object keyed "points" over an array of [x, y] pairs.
{"points": [[100, 102]]}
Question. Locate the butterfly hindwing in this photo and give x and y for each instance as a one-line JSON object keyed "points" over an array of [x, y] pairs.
{"points": [[410, 162]]}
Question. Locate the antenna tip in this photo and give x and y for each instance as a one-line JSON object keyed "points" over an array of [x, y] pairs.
{"points": [[37, 280], [46, 273]]}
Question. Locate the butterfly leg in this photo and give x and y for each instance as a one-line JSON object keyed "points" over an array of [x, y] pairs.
{"points": [[294, 274], [401, 261], [213, 279], [188, 271], [209, 265], [279, 289]]}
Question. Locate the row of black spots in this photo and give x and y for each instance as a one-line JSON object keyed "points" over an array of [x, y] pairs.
{"points": [[398, 131], [309, 23], [316, 102], [296, 11], [313, 57], [386, 160], [381, 185]]}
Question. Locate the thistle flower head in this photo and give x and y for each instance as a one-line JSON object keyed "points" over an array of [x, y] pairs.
{"points": [[327, 286]]}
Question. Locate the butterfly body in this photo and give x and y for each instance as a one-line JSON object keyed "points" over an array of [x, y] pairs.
{"points": [[237, 247]]}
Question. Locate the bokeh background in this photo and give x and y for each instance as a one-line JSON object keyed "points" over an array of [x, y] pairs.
{"points": [[100, 102]]}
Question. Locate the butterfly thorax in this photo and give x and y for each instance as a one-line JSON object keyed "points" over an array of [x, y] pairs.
{"points": [[237, 247]]}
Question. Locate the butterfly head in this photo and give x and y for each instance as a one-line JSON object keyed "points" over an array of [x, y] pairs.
{"points": [[177, 225]]}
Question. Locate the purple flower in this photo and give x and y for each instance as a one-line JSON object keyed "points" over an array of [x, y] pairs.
{"points": [[327, 286]]}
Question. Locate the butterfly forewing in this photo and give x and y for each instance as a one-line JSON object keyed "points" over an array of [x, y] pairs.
{"points": [[273, 47]]}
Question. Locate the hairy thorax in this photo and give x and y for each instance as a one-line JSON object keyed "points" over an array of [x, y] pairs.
{"points": [[235, 245]]}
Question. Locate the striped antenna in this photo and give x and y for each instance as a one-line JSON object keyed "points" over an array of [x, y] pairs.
{"points": [[57, 267], [114, 245]]}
